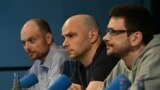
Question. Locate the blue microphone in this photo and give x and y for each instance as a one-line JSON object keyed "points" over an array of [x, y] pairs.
{"points": [[28, 80], [62, 83], [121, 82]]}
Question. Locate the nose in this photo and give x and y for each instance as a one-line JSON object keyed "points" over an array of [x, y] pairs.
{"points": [[27, 46], [106, 37], [65, 43]]}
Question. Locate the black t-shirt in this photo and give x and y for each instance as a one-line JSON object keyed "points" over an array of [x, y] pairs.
{"points": [[68, 67], [98, 70]]}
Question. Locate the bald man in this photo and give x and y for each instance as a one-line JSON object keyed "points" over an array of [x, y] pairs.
{"points": [[83, 43], [49, 58]]}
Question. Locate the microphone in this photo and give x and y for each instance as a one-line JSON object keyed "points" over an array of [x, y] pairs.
{"points": [[62, 83], [29, 80], [121, 82]]}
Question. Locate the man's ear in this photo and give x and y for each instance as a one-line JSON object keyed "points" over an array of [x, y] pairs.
{"points": [[49, 38], [136, 38], [93, 35]]}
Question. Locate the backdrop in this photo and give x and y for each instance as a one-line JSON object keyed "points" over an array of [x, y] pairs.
{"points": [[14, 13]]}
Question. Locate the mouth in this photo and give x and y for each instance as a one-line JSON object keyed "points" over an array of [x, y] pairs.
{"points": [[68, 51], [109, 46], [30, 53]]}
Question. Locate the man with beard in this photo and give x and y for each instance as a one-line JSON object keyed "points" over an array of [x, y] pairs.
{"points": [[49, 58], [83, 43], [131, 37]]}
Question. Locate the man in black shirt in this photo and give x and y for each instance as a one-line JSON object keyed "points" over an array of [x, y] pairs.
{"points": [[82, 42]]}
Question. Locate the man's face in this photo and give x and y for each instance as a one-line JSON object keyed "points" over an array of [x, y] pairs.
{"points": [[117, 40], [76, 39], [34, 41]]}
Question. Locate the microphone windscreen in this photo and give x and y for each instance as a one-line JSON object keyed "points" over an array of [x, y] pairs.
{"points": [[29, 80], [62, 83], [121, 82]]}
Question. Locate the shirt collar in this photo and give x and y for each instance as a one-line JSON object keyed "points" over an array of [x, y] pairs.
{"points": [[48, 60]]}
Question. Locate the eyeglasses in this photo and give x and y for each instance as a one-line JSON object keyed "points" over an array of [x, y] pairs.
{"points": [[115, 32]]}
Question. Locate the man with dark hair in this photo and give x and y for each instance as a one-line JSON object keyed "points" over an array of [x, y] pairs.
{"points": [[49, 58], [131, 37], [83, 43]]}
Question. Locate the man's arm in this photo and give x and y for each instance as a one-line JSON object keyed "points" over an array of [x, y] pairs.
{"points": [[94, 85], [75, 87]]}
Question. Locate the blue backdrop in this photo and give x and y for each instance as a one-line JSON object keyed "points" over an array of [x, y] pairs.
{"points": [[14, 13]]}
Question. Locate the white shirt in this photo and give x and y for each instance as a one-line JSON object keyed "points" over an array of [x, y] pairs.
{"points": [[49, 71]]}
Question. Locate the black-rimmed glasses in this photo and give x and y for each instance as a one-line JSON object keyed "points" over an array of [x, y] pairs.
{"points": [[115, 32]]}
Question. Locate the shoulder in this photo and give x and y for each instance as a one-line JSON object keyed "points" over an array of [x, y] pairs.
{"points": [[34, 68], [58, 52], [118, 69]]}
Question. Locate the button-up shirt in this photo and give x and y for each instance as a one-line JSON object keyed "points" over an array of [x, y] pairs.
{"points": [[51, 68]]}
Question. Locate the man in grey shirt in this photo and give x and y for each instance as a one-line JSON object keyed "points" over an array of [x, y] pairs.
{"points": [[130, 37], [49, 58]]}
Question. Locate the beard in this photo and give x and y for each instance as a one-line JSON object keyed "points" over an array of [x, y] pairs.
{"points": [[34, 55], [118, 50]]}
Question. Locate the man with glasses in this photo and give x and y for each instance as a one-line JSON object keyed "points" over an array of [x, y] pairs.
{"points": [[130, 36]]}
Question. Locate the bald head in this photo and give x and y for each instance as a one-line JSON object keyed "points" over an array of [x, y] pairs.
{"points": [[81, 37], [87, 21]]}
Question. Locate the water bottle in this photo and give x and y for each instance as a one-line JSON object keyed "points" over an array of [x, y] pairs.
{"points": [[16, 82]]}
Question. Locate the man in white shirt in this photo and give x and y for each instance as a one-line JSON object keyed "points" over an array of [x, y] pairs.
{"points": [[49, 58]]}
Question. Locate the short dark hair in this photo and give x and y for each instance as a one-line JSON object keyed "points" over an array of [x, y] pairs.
{"points": [[43, 25], [137, 18]]}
